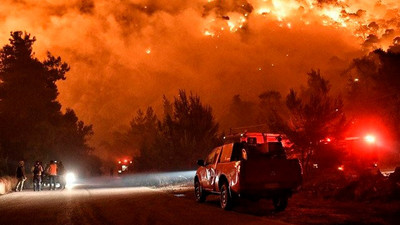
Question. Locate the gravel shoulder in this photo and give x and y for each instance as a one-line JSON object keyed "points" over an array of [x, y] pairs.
{"points": [[306, 209]]}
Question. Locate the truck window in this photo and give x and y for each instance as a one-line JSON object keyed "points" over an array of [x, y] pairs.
{"points": [[226, 153], [237, 152], [212, 157]]}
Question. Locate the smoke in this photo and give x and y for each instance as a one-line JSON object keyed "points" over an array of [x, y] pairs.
{"points": [[125, 54]]}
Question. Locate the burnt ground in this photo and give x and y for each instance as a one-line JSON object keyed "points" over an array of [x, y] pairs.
{"points": [[304, 208]]}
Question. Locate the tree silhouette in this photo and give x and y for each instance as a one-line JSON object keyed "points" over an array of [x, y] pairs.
{"points": [[32, 125], [313, 116], [186, 133], [272, 111], [374, 87]]}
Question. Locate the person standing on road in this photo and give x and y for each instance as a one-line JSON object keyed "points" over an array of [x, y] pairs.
{"points": [[37, 171], [20, 174], [52, 171], [61, 173]]}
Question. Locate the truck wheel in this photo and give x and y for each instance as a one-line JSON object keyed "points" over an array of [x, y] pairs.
{"points": [[199, 192], [280, 203], [225, 198]]}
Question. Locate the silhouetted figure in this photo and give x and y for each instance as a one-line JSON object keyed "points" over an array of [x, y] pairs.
{"points": [[45, 175], [37, 171], [111, 172], [20, 174], [61, 174]]}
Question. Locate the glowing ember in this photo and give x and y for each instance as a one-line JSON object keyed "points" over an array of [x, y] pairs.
{"points": [[341, 14]]}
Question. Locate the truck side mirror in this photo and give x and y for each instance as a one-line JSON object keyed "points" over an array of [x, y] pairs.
{"points": [[200, 162]]}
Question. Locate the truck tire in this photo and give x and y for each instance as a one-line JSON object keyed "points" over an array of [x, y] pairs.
{"points": [[280, 202], [199, 192], [226, 200]]}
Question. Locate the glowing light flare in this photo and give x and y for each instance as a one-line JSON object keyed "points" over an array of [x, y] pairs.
{"points": [[70, 180], [370, 139], [237, 23], [148, 51], [326, 140], [208, 33], [333, 13], [341, 168], [263, 11], [231, 26]]}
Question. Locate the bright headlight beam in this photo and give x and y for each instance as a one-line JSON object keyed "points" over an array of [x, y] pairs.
{"points": [[69, 180]]}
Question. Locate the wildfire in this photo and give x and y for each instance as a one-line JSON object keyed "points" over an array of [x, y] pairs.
{"points": [[342, 14]]}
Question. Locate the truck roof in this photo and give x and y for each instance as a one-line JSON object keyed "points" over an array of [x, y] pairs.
{"points": [[253, 137]]}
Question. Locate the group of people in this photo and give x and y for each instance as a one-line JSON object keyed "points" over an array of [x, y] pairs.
{"points": [[50, 174]]}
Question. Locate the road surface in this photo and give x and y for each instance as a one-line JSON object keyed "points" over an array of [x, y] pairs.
{"points": [[119, 205]]}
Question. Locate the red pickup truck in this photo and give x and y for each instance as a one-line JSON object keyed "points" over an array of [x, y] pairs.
{"points": [[254, 165]]}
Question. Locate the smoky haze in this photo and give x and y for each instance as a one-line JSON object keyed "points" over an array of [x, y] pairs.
{"points": [[124, 55]]}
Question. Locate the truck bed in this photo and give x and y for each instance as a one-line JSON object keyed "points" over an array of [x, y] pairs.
{"points": [[263, 175]]}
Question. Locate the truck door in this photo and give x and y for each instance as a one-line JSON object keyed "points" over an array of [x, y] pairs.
{"points": [[211, 162]]}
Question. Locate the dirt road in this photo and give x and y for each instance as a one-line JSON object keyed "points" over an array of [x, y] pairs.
{"points": [[132, 205]]}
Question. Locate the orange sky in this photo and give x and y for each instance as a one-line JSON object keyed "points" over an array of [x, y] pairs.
{"points": [[125, 54]]}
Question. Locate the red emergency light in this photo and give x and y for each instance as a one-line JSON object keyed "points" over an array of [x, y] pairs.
{"points": [[370, 139]]}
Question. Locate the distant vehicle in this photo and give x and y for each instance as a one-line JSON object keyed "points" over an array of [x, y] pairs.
{"points": [[359, 153], [124, 166], [249, 165]]}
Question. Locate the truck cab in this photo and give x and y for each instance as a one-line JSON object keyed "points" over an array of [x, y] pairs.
{"points": [[252, 165]]}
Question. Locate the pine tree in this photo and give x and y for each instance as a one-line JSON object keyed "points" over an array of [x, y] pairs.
{"points": [[32, 125]]}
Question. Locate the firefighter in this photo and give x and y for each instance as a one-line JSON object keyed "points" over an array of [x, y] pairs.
{"points": [[37, 171], [52, 172], [61, 173], [20, 174]]}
